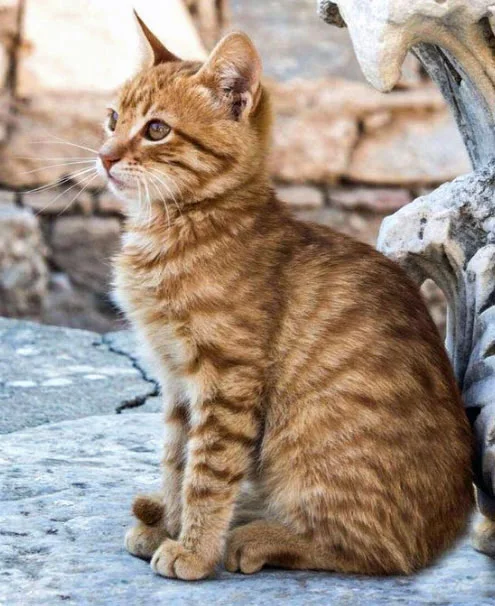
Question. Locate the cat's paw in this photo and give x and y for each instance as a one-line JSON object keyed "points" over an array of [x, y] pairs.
{"points": [[173, 560], [142, 541], [483, 536], [243, 552]]}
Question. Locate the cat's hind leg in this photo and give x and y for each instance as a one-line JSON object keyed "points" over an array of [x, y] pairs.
{"points": [[268, 543], [483, 534], [483, 537], [144, 539]]}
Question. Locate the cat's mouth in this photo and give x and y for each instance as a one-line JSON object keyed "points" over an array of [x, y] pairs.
{"points": [[123, 187], [121, 183], [116, 181]]}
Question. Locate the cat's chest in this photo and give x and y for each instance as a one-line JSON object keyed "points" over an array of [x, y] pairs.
{"points": [[135, 294], [167, 342], [158, 312], [140, 276]]}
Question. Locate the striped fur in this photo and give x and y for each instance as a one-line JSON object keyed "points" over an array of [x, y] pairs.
{"points": [[293, 360]]}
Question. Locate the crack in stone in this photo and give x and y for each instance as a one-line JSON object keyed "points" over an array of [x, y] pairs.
{"points": [[133, 402], [137, 401]]}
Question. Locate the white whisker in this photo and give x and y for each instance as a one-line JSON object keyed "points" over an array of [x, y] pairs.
{"points": [[58, 140], [160, 194], [139, 194], [87, 183], [36, 170], [150, 205], [167, 187], [57, 182], [147, 191], [54, 159], [67, 190]]}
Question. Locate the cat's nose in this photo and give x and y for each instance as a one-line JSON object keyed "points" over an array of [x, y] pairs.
{"points": [[108, 159]]}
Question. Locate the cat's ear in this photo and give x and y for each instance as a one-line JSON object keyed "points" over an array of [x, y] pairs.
{"points": [[155, 50], [233, 70]]}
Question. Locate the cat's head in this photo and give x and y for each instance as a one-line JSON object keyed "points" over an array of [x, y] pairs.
{"points": [[182, 131]]}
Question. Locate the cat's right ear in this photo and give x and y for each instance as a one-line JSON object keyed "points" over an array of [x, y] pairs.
{"points": [[154, 51], [233, 71]]}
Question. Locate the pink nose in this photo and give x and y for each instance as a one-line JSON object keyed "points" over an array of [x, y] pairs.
{"points": [[108, 160]]}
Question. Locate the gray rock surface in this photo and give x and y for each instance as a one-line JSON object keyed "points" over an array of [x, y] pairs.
{"points": [[66, 487], [52, 374], [124, 342], [66, 490]]}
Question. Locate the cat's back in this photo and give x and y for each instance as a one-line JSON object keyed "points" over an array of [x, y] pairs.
{"points": [[336, 284], [354, 312]]}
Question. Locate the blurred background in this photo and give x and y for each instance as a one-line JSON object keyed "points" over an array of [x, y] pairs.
{"points": [[343, 154]]}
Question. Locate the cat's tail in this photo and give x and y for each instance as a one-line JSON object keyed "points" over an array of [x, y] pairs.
{"points": [[149, 508]]}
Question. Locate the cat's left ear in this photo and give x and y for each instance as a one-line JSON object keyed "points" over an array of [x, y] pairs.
{"points": [[157, 52], [233, 70]]}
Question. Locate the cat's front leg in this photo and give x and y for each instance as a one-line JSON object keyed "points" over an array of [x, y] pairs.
{"points": [[160, 515], [173, 463], [219, 453]]}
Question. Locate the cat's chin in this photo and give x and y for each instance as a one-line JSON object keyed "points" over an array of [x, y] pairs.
{"points": [[122, 190]]}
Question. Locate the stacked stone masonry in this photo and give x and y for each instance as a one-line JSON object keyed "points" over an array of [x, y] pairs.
{"points": [[343, 154]]}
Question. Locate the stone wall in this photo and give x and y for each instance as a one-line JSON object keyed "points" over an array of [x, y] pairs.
{"points": [[343, 154]]}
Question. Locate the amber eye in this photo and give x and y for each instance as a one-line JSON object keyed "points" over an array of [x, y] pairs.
{"points": [[112, 120], [156, 130]]}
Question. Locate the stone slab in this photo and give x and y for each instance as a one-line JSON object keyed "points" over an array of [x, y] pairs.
{"points": [[301, 196], [125, 343], [362, 225], [67, 304], [305, 46], [309, 147], [424, 148], [331, 129], [43, 145], [7, 198], [50, 374], [66, 490], [83, 248], [379, 199], [23, 268], [93, 34], [59, 201]]}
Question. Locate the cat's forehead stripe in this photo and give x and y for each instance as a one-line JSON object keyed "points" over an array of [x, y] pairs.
{"points": [[144, 89], [137, 96]]}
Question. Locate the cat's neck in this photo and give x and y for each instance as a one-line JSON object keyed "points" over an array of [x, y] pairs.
{"points": [[170, 227], [164, 216]]}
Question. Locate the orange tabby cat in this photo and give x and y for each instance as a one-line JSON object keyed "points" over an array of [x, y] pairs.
{"points": [[305, 386]]}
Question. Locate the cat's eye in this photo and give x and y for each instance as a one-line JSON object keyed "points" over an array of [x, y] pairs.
{"points": [[156, 130], [112, 120]]}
